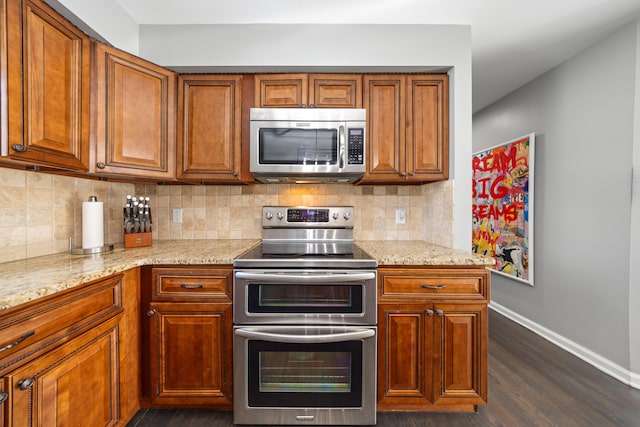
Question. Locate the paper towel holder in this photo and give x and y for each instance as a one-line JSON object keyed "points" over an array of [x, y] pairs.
{"points": [[89, 251]]}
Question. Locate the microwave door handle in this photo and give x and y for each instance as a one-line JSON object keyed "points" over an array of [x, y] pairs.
{"points": [[306, 339], [342, 142], [306, 278]]}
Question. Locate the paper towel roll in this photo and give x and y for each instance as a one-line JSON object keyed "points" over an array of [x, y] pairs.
{"points": [[92, 224]]}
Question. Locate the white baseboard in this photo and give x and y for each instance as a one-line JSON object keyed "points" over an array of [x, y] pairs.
{"points": [[608, 367]]}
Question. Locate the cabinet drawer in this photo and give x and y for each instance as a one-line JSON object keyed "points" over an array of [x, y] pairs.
{"points": [[191, 284], [436, 285], [56, 319]]}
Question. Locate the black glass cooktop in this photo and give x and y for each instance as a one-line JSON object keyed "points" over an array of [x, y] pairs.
{"points": [[305, 254]]}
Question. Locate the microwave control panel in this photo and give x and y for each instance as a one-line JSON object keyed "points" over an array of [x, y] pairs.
{"points": [[355, 154]]}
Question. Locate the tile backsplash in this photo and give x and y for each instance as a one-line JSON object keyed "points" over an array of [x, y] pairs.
{"points": [[39, 211]]}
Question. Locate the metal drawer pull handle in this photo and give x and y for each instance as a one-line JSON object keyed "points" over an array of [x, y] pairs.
{"points": [[4, 396], [18, 341], [303, 278], [436, 287], [306, 339], [185, 286]]}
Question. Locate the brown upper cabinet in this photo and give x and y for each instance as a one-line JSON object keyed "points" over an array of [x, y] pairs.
{"points": [[209, 128], [45, 84], [408, 128], [308, 90], [134, 116]]}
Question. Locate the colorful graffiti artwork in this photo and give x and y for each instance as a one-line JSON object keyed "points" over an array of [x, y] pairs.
{"points": [[502, 207]]}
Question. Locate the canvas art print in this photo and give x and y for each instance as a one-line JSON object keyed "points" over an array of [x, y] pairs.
{"points": [[503, 207]]}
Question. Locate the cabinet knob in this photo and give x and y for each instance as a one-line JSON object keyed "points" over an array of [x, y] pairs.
{"points": [[26, 384], [412, 173], [429, 313], [100, 165], [403, 173], [234, 173], [439, 312], [20, 148], [4, 396], [151, 312]]}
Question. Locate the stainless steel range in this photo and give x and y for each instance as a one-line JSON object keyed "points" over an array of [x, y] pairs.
{"points": [[305, 322]]}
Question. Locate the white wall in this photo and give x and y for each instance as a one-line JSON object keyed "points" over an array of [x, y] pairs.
{"points": [[105, 20], [584, 115], [634, 283]]}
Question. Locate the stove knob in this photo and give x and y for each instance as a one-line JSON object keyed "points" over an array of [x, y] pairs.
{"points": [[335, 215], [347, 215], [280, 216], [268, 215]]}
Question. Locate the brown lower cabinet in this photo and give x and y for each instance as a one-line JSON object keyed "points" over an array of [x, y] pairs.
{"points": [[190, 337], [432, 339], [76, 384], [71, 358]]}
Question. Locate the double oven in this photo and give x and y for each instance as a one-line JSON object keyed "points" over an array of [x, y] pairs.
{"points": [[305, 304]]}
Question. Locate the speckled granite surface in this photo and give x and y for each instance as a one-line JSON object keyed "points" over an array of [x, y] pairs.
{"points": [[23, 281], [417, 252]]}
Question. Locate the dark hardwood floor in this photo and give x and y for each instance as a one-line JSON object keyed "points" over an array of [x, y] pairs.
{"points": [[531, 383]]}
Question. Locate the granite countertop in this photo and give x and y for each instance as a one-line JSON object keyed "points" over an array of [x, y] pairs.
{"points": [[26, 280], [418, 252]]}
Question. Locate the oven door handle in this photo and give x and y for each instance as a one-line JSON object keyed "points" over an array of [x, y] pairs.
{"points": [[306, 278], [306, 339]]}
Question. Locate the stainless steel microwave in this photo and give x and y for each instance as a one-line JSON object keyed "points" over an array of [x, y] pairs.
{"points": [[307, 144]]}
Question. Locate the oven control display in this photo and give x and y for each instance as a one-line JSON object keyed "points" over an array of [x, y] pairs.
{"points": [[308, 215]]}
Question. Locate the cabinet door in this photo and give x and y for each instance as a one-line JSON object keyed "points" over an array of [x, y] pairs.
{"points": [[191, 354], [209, 127], [134, 116], [404, 355], [4, 402], [384, 99], [335, 90], [281, 90], [47, 89], [75, 385], [428, 128], [461, 356]]}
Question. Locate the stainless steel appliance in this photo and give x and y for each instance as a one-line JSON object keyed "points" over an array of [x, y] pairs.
{"points": [[307, 144], [305, 304]]}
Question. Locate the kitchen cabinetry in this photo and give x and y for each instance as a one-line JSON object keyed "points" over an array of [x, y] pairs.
{"points": [[407, 128], [432, 346], [45, 83], [134, 116], [191, 337], [209, 128], [308, 90], [56, 349], [77, 384]]}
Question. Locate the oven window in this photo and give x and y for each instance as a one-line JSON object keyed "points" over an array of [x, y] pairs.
{"points": [[305, 375], [287, 298], [298, 146]]}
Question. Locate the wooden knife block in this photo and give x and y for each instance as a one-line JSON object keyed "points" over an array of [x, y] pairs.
{"points": [[136, 240]]}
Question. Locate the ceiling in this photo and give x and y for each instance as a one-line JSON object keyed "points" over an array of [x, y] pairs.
{"points": [[514, 41]]}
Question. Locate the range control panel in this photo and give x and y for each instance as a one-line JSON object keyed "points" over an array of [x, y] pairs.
{"points": [[307, 217]]}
